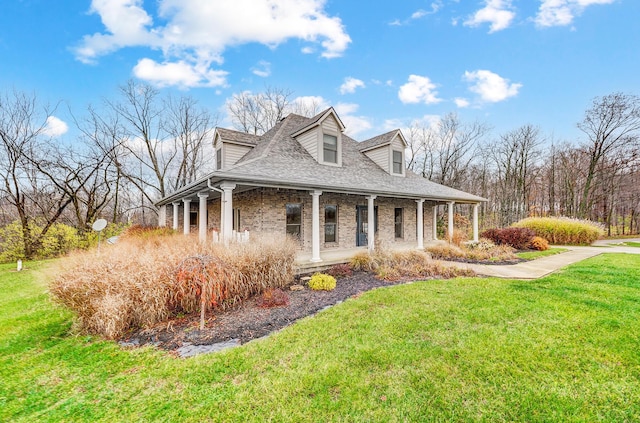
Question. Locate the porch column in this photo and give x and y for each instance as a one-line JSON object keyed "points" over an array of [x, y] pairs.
{"points": [[475, 222], [420, 225], [202, 216], [162, 216], [187, 213], [315, 226], [176, 210], [450, 222], [371, 224], [227, 219], [435, 223]]}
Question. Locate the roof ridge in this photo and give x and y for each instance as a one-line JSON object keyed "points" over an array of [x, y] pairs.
{"points": [[267, 148]]}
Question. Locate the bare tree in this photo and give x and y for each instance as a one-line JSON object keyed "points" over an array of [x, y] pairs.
{"points": [[514, 156], [612, 122], [141, 113], [257, 113], [190, 127], [443, 151], [23, 123], [457, 142]]}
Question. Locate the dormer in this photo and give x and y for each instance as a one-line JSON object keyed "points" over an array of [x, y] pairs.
{"points": [[387, 151], [322, 138], [230, 146]]}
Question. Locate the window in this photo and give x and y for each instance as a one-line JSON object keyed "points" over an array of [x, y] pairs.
{"points": [[294, 220], [330, 223], [193, 218], [330, 148], [397, 162], [236, 220], [219, 158], [397, 220]]}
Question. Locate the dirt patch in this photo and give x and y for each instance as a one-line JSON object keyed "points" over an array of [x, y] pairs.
{"points": [[248, 321]]}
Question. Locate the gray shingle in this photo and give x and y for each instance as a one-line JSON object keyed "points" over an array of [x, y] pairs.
{"points": [[279, 160]]}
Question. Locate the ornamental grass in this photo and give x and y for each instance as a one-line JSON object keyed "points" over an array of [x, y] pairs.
{"points": [[141, 281], [563, 230], [397, 265]]}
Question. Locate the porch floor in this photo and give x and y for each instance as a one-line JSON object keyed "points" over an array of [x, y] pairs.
{"points": [[343, 255]]}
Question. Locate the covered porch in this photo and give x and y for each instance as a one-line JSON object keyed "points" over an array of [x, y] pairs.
{"points": [[343, 255], [220, 210]]}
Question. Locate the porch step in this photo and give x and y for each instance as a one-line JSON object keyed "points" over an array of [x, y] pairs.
{"points": [[310, 267]]}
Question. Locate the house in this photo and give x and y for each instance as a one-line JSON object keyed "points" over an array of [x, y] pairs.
{"points": [[306, 178]]}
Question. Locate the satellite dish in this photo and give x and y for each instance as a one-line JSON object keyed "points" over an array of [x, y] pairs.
{"points": [[99, 225]]}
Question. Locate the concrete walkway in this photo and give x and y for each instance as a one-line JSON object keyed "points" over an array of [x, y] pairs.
{"points": [[543, 266]]}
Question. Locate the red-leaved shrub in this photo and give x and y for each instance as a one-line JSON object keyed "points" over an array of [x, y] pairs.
{"points": [[273, 297], [518, 238], [340, 270]]}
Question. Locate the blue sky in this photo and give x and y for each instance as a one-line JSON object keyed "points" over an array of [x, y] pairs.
{"points": [[382, 64]]}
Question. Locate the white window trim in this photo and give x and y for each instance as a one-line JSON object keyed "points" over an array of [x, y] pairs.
{"points": [[402, 162], [338, 136]]}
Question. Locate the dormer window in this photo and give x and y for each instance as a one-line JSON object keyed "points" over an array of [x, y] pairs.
{"points": [[397, 162], [330, 148], [219, 158]]}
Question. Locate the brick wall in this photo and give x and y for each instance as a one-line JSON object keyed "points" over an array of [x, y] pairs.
{"points": [[263, 211]]}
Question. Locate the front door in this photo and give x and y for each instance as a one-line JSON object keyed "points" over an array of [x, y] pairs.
{"points": [[362, 223]]}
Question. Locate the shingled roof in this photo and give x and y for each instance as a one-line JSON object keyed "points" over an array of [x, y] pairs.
{"points": [[279, 160], [377, 141], [237, 137]]}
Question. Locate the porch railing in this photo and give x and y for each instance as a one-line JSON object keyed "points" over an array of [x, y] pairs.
{"points": [[242, 236]]}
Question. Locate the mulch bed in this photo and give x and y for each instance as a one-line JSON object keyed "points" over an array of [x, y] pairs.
{"points": [[247, 320]]}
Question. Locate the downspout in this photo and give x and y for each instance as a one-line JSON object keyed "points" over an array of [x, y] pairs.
{"points": [[211, 187]]}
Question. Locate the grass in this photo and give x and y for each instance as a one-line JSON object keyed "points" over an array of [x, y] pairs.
{"points": [[562, 348], [532, 255], [631, 244]]}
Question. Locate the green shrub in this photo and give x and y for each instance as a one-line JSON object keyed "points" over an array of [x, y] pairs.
{"points": [[562, 230], [322, 282], [59, 239]]}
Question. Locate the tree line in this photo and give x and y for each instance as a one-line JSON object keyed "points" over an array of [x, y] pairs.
{"points": [[523, 173], [138, 147]]}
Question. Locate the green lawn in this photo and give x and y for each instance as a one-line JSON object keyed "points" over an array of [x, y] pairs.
{"points": [[562, 348], [532, 255]]}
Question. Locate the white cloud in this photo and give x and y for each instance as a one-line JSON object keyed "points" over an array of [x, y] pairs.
{"points": [[354, 124], [496, 12], [178, 73], [490, 86], [419, 89], [196, 33], [350, 85], [55, 127], [262, 69], [312, 105], [562, 12], [418, 14], [461, 102]]}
